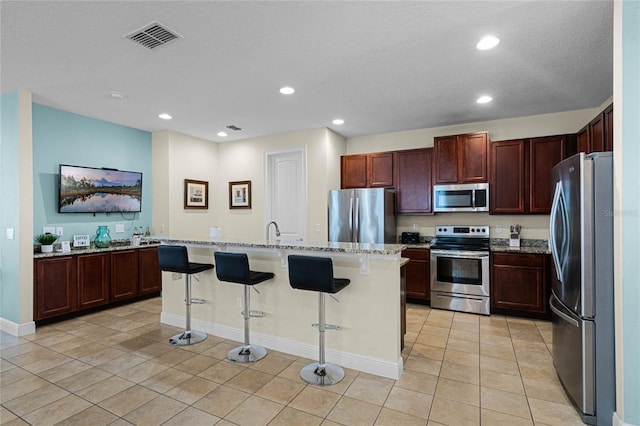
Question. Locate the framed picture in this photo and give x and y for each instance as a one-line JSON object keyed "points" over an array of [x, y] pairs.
{"points": [[196, 194], [240, 195]]}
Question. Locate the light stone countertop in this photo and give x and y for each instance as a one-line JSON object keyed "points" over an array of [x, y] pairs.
{"points": [[329, 247]]}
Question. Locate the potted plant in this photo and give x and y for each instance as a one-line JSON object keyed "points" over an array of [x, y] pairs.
{"points": [[46, 241]]}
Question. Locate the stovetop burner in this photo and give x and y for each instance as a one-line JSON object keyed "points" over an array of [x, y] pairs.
{"points": [[456, 237]]}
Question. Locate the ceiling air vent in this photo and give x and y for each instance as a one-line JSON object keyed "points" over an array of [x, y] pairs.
{"points": [[153, 35]]}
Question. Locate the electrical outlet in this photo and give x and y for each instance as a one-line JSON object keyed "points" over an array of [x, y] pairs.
{"points": [[119, 227], [49, 229], [498, 229], [10, 234], [59, 231], [317, 227]]}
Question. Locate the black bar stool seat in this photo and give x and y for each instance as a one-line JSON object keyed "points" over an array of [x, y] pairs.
{"points": [[234, 268], [174, 258], [316, 274]]}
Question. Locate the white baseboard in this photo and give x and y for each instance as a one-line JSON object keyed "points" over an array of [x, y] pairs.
{"points": [[17, 329], [392, 370], [617, 421]]}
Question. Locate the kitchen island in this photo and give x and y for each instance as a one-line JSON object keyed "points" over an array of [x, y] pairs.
{"points": [[368, 310]]}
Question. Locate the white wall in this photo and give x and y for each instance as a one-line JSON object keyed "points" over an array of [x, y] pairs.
{"points": [[245, 160], [177, 157], [510, 128]]}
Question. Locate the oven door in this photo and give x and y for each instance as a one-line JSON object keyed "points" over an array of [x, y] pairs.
{"points": [[464, 272]]}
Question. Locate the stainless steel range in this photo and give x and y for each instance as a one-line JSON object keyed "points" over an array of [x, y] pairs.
{"points": [[460, 269]]}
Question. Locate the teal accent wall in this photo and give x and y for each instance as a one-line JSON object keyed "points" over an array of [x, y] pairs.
{"points": [[9, 214], [631, 207], [61, 137]]}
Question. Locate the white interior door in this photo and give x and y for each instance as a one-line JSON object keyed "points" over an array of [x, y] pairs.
{"points": [[286, 193]]}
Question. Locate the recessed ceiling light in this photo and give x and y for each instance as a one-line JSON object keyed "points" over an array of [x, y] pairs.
{"points": [[116, 94], [222, 134], [488, 42], [338, 121], [165, 116], [484, 99], [287, 90]]}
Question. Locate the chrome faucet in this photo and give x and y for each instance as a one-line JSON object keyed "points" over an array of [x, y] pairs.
{"points": [[277, 230]]}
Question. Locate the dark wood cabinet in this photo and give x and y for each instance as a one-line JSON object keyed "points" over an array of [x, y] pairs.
{"points": [[520, 173], [596, 133], [461, 158], [544, 154], [520, 284], [367, 170], [608, 128], [65, 285], [55, 287], [418, 277], [150, 273], [597, 136], [93, 280], [413, 181], [583, 140], [508, 177], [124, 274], [353, 171]]}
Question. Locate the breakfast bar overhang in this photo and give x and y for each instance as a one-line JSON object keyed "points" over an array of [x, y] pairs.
{"points": [[368, 310]]}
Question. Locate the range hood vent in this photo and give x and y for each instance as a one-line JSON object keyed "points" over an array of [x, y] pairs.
{"points": [[153, 35]]}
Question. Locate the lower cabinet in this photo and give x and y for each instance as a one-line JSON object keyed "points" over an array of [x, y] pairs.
{"points": [[93, 280], [67, 284], [55, 289], [418, 287], [150, 279], [124, 274], [520, 284]]}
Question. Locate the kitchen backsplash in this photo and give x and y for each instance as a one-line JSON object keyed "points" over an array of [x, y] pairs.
{"points": [[534, 227]]}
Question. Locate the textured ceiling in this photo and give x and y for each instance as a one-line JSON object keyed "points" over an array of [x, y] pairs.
{"points": [[381, 66]]}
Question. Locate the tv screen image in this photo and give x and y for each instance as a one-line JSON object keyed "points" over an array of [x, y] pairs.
{"points": [[93, 190]]}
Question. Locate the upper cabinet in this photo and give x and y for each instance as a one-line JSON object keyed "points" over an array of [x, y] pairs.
{"points": [[608, 128], [508, 177], [597, 136], [461, 158], [413, 181], [367, 170], [520, 173]]}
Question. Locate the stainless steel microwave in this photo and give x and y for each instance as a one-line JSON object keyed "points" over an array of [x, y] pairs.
{"points": [[473, 197]]}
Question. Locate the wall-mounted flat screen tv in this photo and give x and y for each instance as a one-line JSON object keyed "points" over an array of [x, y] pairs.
{"points": [[93, 190]]}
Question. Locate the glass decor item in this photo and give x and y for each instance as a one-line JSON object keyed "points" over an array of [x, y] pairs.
{"points": [[103, 238]]}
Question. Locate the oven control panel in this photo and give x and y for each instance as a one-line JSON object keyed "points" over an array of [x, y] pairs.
{"points": [[480, 231]]}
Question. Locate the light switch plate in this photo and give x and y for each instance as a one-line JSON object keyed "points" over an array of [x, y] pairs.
{"points": [[119, 227]]}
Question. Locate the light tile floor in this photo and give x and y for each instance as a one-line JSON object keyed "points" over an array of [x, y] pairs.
{"points": [[117, 367]]}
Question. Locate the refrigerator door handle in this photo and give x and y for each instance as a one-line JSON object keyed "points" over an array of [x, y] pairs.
{"points": [[356, 221], [557, 211], [561, 314], [351, 219]]}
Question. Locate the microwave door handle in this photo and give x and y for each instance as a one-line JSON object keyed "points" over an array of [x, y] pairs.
{"points": [[473, 198]]}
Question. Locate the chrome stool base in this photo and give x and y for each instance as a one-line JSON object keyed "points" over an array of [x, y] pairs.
{"points": [[315, 375], [242, 354], [188, 338]]}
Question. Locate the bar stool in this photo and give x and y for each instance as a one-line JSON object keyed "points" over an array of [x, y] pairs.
{"points": [[316, 274], [234, 268], [176, 259]]}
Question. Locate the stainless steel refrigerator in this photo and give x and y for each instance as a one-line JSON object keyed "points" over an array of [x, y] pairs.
{"points": [[581, 242], [362, 215]]}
